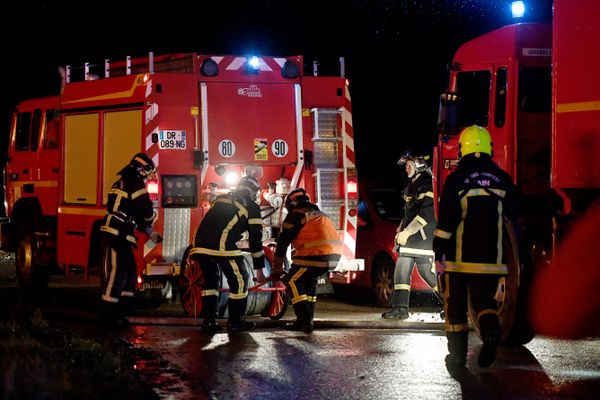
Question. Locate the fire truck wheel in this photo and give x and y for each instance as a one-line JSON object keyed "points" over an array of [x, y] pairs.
{"points": [[32, 275], [383, 280], [511, 296], [190, 286]]}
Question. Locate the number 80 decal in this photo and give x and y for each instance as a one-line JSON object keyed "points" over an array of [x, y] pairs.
{"points": [[226, 148], [280, 148]]}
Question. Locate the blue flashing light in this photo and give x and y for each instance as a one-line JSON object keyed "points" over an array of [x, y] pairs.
{"points": [[254, 62], [518, 9]]}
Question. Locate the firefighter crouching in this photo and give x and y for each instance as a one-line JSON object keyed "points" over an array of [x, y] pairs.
{"points": [[128, 207], [216, 250], [316, 250], [476, 198], [415, 235]]}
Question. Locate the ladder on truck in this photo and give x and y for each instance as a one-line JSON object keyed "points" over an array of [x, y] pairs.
{"points": [[334, 177]]}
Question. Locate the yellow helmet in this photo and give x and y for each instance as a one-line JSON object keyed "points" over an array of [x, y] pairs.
{"points": [[475, 139]]}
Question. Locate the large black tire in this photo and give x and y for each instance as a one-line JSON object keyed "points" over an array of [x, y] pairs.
{"points": [[383, 280], [511, 296], [32, 274]]}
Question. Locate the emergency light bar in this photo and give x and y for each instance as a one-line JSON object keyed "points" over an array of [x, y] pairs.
{"points": [[518, 9]]}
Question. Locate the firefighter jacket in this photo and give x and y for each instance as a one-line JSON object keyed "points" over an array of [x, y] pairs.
{"points": [[128, 207], [313, 237], [418, 208], [222, 227], [476, 198]]}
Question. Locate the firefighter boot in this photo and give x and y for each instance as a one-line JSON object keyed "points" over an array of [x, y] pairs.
{"points": [[209, 309], [237, 308], [303, 322], [399, 304], [396, 313], [490, 334], [457, 346]]}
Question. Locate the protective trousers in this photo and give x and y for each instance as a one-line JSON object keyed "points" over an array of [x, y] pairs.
{"points": [[402, 278], [237, 279], [120, 269], [301, 282], [456, 287]]}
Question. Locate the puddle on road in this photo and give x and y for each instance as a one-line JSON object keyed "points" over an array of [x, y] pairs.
{"points": [[165, 379]]}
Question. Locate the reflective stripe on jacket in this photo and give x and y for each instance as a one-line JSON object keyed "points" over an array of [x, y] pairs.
{"points": [[476, 198], [314, 239]]}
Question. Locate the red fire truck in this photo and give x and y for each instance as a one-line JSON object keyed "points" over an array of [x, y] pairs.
{"points": [[535, 87], [205, 121]]}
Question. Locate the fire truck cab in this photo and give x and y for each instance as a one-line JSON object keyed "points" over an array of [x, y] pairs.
{"points": [[206, 121]]}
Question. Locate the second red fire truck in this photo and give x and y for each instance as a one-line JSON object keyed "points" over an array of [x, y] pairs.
{"points": [[535, 87]]}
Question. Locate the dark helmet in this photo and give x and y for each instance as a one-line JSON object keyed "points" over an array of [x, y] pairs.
{"points": [[296, 197], [251, 184], [142, 164], [419, 160]]}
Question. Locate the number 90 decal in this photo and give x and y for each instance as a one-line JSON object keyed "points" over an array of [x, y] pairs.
{"points": [[226, 148], [280, 148]]}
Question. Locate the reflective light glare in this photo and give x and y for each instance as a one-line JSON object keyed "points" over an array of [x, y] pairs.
{"points": [[352, 187], [139, 280], [152, 187], [253, 62], [518, 9], [231, 178]]}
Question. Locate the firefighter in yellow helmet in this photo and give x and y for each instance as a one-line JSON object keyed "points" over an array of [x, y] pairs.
{"points": [[316, 250], [215, 249], [476, 199], [128, 208]]}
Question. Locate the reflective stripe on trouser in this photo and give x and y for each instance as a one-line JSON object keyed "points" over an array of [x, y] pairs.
{"points": [[302, 287], [402, 278], [118, 263], [482, 288], [237, 279]]}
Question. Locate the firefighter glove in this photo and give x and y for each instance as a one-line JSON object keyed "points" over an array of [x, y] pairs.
{"points": [[440, 266], [277, 270], [402, 237], [260, 276], [156, 237]]}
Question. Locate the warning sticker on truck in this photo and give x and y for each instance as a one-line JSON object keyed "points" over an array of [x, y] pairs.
{"points": [[261, 152], [172, 140]]}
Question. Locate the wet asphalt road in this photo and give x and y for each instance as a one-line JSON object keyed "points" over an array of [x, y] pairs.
{"points": [[352, 354], [184, 363]]}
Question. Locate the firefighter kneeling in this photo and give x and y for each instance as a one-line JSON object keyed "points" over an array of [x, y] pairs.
{"points": [[316, 250]]}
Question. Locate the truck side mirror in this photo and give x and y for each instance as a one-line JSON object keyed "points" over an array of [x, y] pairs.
{"points": [[448, 114]]}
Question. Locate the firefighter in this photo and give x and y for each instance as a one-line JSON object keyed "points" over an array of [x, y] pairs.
{"points": [[316, 250], [128, 208], [476, 200], [215, 249], [414, 236]]}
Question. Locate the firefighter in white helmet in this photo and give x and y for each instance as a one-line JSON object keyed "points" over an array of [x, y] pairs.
{"points": [[414, 234], [316, 250], [128, 208], [476, 200], [215, 249]]}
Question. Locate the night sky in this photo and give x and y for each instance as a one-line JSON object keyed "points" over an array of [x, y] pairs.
{"points": [[393, 49]]}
